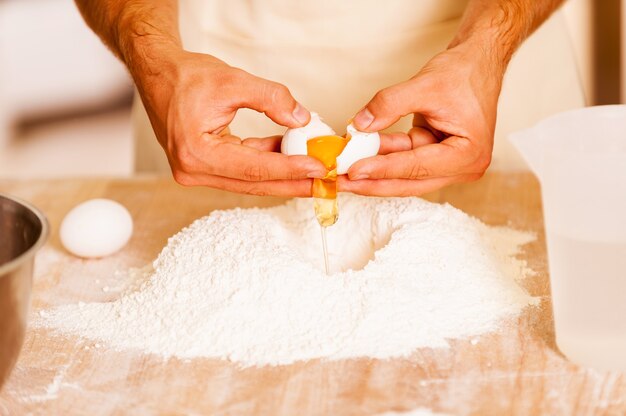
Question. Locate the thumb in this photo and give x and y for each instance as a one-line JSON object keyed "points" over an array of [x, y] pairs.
{"points": [[388, 105], [275, 100]]}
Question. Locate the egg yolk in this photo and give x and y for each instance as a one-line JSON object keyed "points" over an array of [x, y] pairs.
{"points": [[326, 149]]}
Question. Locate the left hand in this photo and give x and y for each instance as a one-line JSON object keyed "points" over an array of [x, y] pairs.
{"points": [[453, 100]]}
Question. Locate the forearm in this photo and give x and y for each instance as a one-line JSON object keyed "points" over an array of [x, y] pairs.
{"points": [[139, 32], [498, 27]]}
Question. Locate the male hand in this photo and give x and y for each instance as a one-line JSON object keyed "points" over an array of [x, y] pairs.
{"points": [[190, 102], [453, 99]]}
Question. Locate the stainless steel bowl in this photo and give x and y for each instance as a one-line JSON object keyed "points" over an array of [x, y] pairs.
{"points": [[23, 230]]}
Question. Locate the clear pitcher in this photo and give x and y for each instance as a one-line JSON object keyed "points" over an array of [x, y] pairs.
{"points": [[580, 160]]}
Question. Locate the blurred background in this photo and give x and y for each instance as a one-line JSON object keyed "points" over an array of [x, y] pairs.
{"points": [[65, 100]]}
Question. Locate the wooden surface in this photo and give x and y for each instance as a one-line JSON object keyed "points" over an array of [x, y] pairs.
{"points": [[515, 371]]}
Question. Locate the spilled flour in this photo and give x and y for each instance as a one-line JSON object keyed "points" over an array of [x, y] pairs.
{"points": [[248, 285]]}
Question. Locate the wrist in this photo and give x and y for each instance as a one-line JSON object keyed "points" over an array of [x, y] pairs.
{"points": [[145, 49], [485, 49], [497, 32], [151, 60]]}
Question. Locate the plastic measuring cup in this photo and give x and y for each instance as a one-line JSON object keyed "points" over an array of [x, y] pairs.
{"points": [[580, 159]]}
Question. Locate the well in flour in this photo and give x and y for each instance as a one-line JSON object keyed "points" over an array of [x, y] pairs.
{"points": [[248, 285]]}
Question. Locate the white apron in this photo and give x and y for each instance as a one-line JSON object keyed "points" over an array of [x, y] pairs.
{"points": [[334, 55]]}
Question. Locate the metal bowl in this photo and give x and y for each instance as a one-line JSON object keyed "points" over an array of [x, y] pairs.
{"points": [[23, 230]]}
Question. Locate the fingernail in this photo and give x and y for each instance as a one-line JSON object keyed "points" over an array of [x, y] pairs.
{"points": [[359, 176], [363, 119], [300, 114]]}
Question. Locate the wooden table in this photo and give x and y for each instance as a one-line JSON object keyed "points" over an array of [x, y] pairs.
{"points": [[515, 371]]}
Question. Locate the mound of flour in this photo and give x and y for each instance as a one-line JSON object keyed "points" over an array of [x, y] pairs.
{"points": [[248, 285]]}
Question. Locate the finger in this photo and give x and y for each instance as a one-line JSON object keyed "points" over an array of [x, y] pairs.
{"points": [[420, 121], [227, 158], [273, 99], [395, 187], [224, 131], [394, 142], [264, 144], [230, 138], [453, 156], [389, 104], [421, 136], [298, 188]]}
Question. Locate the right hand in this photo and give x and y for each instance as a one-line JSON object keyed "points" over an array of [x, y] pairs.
{"points": [[192, 98], [453, 100]]}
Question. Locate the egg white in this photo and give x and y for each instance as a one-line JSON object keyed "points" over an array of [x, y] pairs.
{"points": [[361, 145]]}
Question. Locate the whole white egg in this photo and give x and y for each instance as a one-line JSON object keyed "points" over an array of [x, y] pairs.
{"points": [[96, 228]]}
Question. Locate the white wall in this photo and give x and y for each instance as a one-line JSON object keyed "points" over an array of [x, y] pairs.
{"points": [[50, 62]]}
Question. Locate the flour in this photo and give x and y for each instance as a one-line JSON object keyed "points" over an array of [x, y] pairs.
{"points": [[247, 285], [52, 390]]}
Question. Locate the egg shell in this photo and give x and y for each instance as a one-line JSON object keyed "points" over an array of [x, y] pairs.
{"points": [[294, 140], [96, 228], [360, 146]]}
